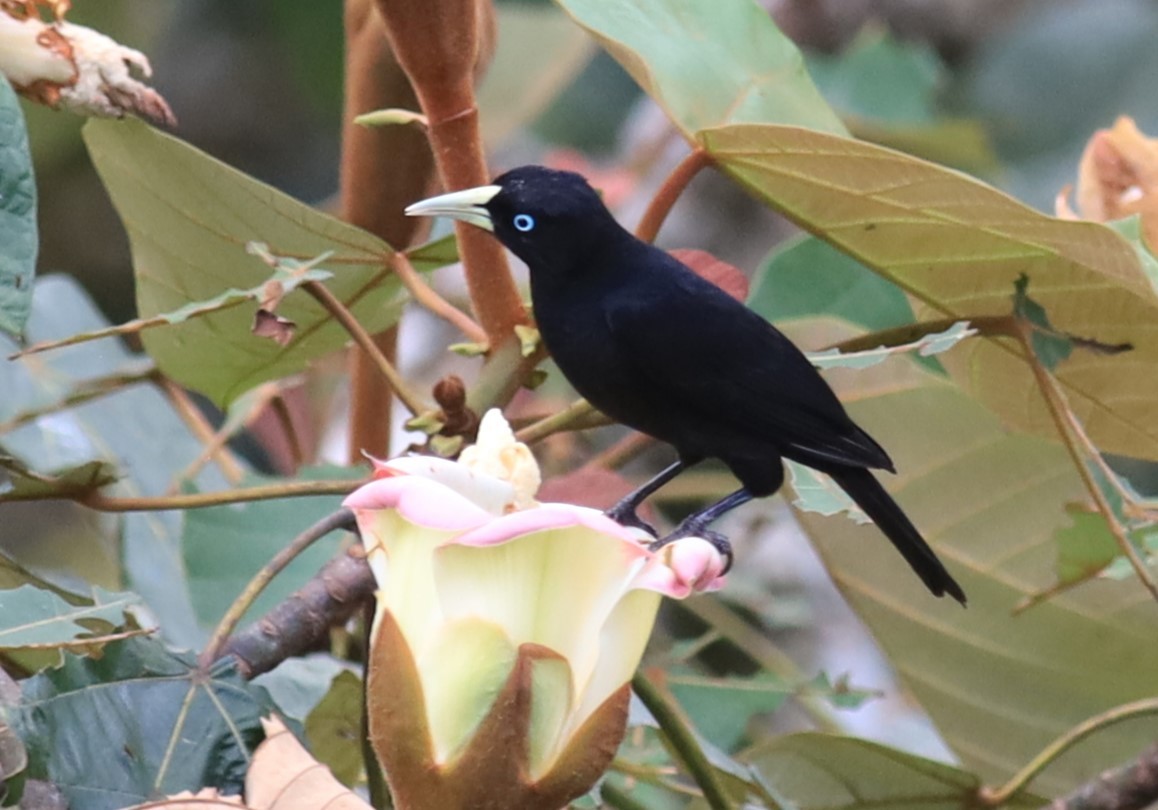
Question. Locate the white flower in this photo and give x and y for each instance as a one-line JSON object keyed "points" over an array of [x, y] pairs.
{"points": [[504, 641]]}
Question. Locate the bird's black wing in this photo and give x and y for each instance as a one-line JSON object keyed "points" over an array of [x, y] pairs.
{"points": [[701, 350]]}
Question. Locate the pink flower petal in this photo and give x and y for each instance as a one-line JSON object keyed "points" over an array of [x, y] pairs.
{"points": [[421, 501], [689, 565], [552, 516]]}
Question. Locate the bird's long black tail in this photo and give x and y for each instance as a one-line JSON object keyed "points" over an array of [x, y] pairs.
{"points": [[863, 487]]}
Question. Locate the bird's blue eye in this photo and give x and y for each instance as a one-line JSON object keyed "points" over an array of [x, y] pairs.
{"points": [[524, 222]]}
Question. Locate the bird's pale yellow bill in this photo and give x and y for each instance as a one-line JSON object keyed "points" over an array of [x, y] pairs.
{"points": [[468, 205]]}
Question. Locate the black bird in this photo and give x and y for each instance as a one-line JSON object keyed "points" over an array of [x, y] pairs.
{"points": [[660, 349]]}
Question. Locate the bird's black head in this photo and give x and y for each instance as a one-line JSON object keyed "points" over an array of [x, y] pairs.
{"points": [[550, 219]]}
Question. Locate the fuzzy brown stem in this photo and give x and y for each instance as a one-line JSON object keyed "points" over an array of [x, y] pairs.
{"points": [[383, 170], [442, 44]]}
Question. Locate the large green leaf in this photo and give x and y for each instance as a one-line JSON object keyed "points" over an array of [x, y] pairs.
{"points": [[137, 723], [998, 686], [829, 772], [886, 91], [134, 430], [708, 64], [18, 235], [538, 35], [808, 276], [189, 218], [958, 245], [39, 622], [226, 545]]}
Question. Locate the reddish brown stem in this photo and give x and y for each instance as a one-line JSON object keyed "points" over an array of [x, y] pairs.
{"points": [[383, 170], [669, 192], [441, 45]]}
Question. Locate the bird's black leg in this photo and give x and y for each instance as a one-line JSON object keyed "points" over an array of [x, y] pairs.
{"points": [[623, 512], [696, 525]]}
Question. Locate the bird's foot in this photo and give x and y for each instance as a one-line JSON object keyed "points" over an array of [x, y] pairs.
{"points": [[624, 515], [718, 541]]}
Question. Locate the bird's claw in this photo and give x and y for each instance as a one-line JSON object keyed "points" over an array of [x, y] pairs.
{"points": [[625, 516], [718, 541]]}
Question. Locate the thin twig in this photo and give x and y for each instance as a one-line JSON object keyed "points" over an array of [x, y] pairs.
{"points": [[84, 391], [192, 416], [200, 500], [669, 192], [683, 741], [578, 412], [412, 400], [341, 519], [285, 420], [993, 797], [209, 450], [1065, 421], [986, 325], [621, 452], [428, 297]]}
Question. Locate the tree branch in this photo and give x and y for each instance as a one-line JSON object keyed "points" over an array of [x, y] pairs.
{"points": [[1133, 786]]}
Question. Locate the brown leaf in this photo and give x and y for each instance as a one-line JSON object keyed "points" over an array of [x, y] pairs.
{"points": [[204, 799], [284, 776], [279, 329], [725, 276]]}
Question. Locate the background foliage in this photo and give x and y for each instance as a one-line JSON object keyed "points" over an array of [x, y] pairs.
{"points": [[1024, 473]]}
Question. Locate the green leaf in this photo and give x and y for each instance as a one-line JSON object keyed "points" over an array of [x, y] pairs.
{"points": [[512, 96], [816, 492], [297, 685], [998, 687], [334, 728], [879, 76], [288, 275], [224, 546], [886, 91], [32, 619], [720, 708], [137, 723], [808, 276], [813, 771], [19, 242], [957, 245], [188, 217], [1050, 347], [707, 64], [1085, 548], [24, 484], [1130, 229]]}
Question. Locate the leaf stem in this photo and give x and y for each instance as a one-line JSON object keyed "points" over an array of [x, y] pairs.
{"points": [[577, 411], [1072, 436], [993, 797], [212, 443], [669, 192], [412, 400], [85, 391], [986, 325], [682, 740], [200, 500], [428, 297], [341, 519]]}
